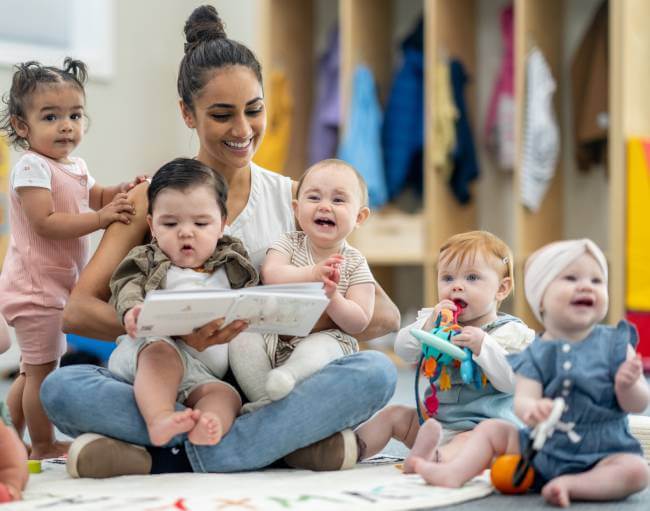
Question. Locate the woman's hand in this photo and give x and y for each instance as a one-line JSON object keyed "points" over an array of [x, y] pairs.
{"points": [[214, 333]]}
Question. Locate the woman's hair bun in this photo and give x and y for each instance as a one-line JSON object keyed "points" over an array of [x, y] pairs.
{"points": [[204, 24]]}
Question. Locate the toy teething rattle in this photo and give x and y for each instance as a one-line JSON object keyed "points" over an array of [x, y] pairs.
{"points": [[438, 354]]}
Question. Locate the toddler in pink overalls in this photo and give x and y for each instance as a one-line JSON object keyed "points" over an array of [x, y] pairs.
{"points": [[55, 204]]}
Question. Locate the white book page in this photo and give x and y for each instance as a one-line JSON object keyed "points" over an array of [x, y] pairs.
{"points": [[289, 311]]}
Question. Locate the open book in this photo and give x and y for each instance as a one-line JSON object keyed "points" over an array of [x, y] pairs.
{"points": [[285, 309]]}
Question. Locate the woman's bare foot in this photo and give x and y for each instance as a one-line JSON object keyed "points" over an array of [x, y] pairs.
{"points": [[425, 446], [437, 474], [55, 450], [556, 492], [207, 431], [166, 426]]}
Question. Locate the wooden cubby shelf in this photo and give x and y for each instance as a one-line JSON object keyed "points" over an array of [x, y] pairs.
{"points": [[470, 31]]}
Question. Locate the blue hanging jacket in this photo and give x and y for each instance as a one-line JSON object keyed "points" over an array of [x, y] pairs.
{"points": [[361, 144], [403, 130], [465, 164]]}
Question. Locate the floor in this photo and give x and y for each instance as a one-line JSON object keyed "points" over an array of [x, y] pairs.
{"points": [[404, 395], [532, 502]]}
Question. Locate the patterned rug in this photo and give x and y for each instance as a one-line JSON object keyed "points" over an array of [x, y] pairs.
{"points": [[378, 486]]}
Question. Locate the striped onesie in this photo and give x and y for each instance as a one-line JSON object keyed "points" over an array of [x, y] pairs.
{"points": [[354, 270]]}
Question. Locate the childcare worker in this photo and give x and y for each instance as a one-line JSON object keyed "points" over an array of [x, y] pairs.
{"points": [[222, 99]]}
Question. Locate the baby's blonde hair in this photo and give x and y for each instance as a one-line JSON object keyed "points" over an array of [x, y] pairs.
{"points": [[464, 247]]}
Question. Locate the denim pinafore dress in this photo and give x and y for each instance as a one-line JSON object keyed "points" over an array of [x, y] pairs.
{"points": [[463, 406], [583, 374]]}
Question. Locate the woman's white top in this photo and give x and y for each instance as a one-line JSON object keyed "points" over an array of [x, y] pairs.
{"points": [[267, 214]]}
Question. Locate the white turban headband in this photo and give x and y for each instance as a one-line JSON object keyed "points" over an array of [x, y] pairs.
{"points": [[548, 262]]}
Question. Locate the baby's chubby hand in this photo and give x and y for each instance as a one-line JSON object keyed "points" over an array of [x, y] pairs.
{"points": [[329, 273], [331, 282], [443, 304], [125, 187], [539, 411], [470, 337], [118, 210], [131, 320], [327, 267], [628, 373]]}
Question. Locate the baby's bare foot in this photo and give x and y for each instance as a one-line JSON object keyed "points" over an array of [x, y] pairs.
{"points": [[5, 495], [556, 493], [437, 474], [425, 446], [166, 426], [207, 431], [47, 451], [15, 492]]}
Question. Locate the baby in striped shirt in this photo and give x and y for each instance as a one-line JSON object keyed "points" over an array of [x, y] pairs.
{"points": [[331, 201]]}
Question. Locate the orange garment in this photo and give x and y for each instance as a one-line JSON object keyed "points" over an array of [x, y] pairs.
{"points": [[273, 152], [638, 227]]}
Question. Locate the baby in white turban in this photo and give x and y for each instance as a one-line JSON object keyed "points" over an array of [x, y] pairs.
{"points": [[547, 263], [592, 367]]}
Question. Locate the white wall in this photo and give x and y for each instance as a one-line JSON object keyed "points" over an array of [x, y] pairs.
{"points": [[135, 124]]}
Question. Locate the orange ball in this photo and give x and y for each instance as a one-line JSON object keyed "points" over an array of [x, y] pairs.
{"points": [[503, 471]]}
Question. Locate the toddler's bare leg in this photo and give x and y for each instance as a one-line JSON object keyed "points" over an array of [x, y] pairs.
{"points": [[218, 404], [613, 478], [426, 444], [490, 438], [40, 428], [15, 404], [312, 354], [13, 462], [157, 378], [451, 449], [251, 365], [396, 421]]}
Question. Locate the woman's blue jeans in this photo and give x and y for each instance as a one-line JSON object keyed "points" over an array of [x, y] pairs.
{"points": [[83, 399]]}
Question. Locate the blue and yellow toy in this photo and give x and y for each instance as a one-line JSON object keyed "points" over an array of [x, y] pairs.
{"points": [[438, 355]]}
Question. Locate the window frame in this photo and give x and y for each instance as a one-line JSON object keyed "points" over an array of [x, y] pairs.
{"points": [[91, 41]]}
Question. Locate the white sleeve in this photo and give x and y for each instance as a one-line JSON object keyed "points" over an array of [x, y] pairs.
{"points": [[510, 338], [91, 181], [495, 366], [513, 336], [81, 164], [31, 170], [408, 347]]}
